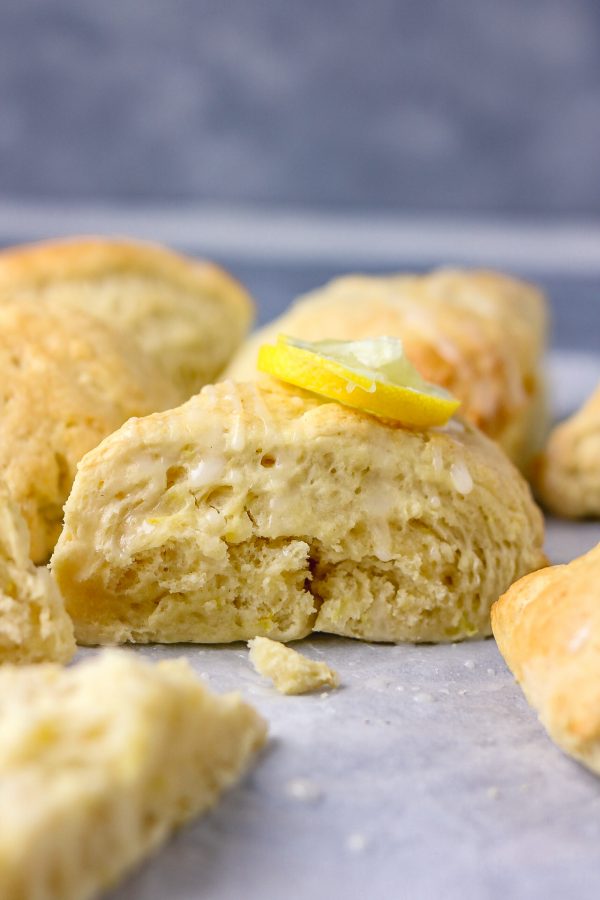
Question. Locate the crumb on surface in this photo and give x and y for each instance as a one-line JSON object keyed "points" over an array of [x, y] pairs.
{"points": [[290, 671]]}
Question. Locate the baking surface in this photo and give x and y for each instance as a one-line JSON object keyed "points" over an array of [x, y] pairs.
{"points": [[425, 776]]}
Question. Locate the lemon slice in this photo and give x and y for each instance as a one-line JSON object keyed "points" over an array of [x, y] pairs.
{"points": [[373, 375]]}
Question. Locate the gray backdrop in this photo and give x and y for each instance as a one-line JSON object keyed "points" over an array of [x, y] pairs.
{"points": [[488, 105]]}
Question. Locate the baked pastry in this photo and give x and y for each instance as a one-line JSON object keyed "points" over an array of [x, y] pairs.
{"points": [[190, 316], [290, 671], [66, 381], [547, 627], [258, 509], [34, 626], [479, 334], [567, 474], [100, 762]]}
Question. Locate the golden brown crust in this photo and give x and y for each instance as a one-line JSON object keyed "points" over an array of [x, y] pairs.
{"points": [[174, 305], [567, 474], [66, 381], [547, 627], [479, 334]]}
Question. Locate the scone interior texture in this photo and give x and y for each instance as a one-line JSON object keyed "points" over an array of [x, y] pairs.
{"points": [[547, 627], [66, 381], [479, 334], [257, 509], [99, 762], [34, 625], [189, 315], [567, 474]]}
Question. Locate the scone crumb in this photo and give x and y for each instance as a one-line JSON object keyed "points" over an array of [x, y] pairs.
{"points": [[290, 671]]}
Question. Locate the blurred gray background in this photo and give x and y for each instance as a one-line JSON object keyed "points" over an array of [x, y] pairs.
{"points": [[487, 105], [412, 111]]}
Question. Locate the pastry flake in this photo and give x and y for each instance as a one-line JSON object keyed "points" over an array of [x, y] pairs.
{"points": [[291, 672]]}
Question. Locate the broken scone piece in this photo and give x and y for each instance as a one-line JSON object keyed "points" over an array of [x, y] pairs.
{"points": [[34, 625], [567, 474], [547, 627], [258, 509], [99, 762], [290, 671]]}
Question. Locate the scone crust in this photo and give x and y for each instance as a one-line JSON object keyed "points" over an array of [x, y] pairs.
{"points": [[547, 627], [480, 334], [204, 309], [567, 474], [260, 510], [66, 381]]}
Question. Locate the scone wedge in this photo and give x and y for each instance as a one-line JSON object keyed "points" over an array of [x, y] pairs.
{"points": [[567, 474], [547, 627], [34, 625], [479, 334], [98, 764], [188, 315], [66, 381], [257, 509]]}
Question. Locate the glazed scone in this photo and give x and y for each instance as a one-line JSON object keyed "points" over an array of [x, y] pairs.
{"points": [[66, 381], [257, 509], [547, 627], [290, 671], [100, 762], [34, 625], [567, 474], [190, 316], [479, 334]]}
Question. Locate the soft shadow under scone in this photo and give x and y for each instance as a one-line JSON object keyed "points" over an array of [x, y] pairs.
{"points": [[567, 474], [34, 625], [255, 509], [479, 334], [547, 627], [66, 381], [99, 762], [189, 315]]}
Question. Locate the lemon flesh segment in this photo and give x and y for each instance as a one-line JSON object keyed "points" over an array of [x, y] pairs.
{"points": [[371, 375]]}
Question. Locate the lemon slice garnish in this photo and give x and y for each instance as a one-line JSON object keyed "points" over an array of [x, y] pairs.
{"points": [[373, 375]]}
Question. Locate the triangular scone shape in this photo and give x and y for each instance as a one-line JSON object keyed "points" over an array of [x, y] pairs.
{"points": [[547, 627], [100, 761], [188, 315], [34, 625], [259, 510], [479, 334]]}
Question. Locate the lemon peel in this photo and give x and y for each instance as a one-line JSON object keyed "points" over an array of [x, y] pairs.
{"points": [[372, 375]]}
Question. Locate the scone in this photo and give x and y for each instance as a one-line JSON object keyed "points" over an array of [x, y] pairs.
{"points": [[567, 474], [100, 762], [479, 334], [257, 509], [34, 625], [190, 316], [547, 627], [66, 381]]}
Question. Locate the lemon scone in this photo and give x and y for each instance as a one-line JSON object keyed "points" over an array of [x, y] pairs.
{"points": [[567, 474], [478, 334], [34, 625], [291, 672], [66, 381], [190, 316], [99, 762], [547, 627], [258, 509]]}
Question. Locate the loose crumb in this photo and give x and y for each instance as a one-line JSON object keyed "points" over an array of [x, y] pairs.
{"points": [[290, 671], [356, 842], [469, 664], [303, 789]]}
